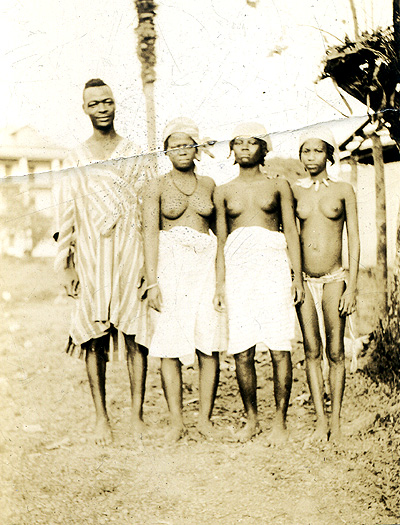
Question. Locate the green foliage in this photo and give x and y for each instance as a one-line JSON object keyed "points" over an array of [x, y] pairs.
{"points": [[384, 364]]}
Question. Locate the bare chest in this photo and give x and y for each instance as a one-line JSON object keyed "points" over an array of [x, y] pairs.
{"points": [[311, 204], [243, 199]]}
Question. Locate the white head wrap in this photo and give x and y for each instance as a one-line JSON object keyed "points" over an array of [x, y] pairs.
{"points": [[254, 130], [190, 128], [318, 132], [325, 134], [182, 125]]}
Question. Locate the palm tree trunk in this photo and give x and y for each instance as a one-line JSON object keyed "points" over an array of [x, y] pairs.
{"points": [[146, 41]]}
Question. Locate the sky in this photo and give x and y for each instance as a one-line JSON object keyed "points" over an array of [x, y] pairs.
{"points": [[218, 61]]}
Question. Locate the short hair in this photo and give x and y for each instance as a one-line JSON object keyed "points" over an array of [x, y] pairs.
{"points": [[330, 151], [263, 145], [94, 82]]}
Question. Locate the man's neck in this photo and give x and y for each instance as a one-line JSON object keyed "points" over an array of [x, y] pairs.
{"points": [[104, 135]]}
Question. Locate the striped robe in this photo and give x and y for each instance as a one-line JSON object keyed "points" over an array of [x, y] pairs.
{"points": [[99, 223]]}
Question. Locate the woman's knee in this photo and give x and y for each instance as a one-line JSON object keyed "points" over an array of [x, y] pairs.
{"points": [[313, 351], [246, 357], [335, 352], [280, 356]]}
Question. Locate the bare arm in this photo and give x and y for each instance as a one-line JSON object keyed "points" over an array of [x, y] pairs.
{"points": [[151, 227], [292, 238], [65, 225], [222, 233], [212, 220], [348, 300]]}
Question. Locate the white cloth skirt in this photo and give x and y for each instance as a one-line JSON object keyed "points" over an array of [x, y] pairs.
{"points": [[186, 277], [258, 290]]}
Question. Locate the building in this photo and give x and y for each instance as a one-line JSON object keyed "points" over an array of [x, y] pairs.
{"points": [[27, 163], [24, 150]]}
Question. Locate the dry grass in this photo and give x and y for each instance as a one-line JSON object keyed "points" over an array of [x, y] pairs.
{"points": [[51, 472]]}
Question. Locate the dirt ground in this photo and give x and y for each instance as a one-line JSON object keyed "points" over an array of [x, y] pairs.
{"points": [[52, 473]]}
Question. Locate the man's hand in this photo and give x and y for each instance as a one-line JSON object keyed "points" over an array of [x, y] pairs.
{"points": [[347, 304], [70, 281], [297, 291], [219, 302], [154, 298], [141, 285]]}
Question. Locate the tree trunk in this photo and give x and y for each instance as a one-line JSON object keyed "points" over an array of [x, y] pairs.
{"points": [[381, 252], [146, 40], [355, 20], [354, 171], [396, 32]]}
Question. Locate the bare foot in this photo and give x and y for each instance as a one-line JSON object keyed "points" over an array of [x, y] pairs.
{"points": [[207, 430], [175, 433], [249, 431], [279, 434], [139, 429], [336, 435], [102, 432], [320, 433]]}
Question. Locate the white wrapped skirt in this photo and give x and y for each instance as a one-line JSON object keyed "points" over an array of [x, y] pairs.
{"points": [[258, 290], [186, 278]]}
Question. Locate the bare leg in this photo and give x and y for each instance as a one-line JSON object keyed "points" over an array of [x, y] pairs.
{"points": [[208, 385], [96, 371], [171, 377], [137, 368], [335, 325], [283, 375], [247, 381], [307, 315]]}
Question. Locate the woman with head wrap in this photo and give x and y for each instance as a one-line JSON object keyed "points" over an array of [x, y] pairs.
{"points": [[255, 229], [178, 211], [324, 205]]}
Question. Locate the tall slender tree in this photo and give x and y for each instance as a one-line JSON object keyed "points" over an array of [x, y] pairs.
{"points": [[355, 19], [146, 50]]}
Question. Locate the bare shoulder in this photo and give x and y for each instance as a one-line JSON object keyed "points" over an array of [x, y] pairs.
{"points": [[221, 192], [281, 185], [345, 189], [154, 186], [296, 189], [207, 182]]}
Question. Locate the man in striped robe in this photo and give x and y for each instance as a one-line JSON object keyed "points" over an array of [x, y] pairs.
{"points": [[100, 255]]}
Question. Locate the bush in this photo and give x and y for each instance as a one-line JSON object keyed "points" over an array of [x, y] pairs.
{"points": [[384, 364]]}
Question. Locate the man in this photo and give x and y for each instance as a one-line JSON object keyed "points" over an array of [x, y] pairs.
{"points": [[100, 255], [252, 210]]}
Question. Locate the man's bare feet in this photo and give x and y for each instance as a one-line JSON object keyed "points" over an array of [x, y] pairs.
{"points": [[102, 432], [250, 430], [175, 433], [279, 434]]}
